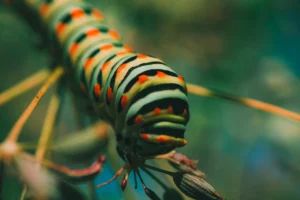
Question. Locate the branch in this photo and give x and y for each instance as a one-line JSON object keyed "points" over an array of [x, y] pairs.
{"points": [[23, 86], [258, 105], [15, 132]]}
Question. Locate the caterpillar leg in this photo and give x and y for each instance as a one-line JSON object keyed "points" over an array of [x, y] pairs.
{"points": [[259, 105], [23, 86]]}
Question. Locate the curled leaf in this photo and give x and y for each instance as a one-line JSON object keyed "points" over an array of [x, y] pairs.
{"points": [[195, 187], [78, 175], [84, 144]]}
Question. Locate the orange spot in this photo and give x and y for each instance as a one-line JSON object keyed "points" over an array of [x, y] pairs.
{"points": [[114, 34], [92, 33], [88, 63], [184, 142], [60, 28], [109, 94], [44, 8], [105, 65], [121, 53], [143, 78], [145, 136], [138, 119], [170, 109], [156, 111], [161, 139], [181, 78], [184, 112], [161, 74], [127, 48], [106, 47], [97, 14], [77, 13], [142, 56], [73, 49], [124, 101], [121, 68], [97, 89]]}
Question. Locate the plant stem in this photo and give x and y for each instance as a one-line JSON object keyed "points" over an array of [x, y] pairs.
{"points": [[23, 86], [15, 132], [48, 126], [47, 131], [258, 105]]}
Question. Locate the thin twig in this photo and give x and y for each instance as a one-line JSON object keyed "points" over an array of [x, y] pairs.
{"points": [[47, 131], [23, 86], [15, 132], [259, 105], [24, 192], [48, 127]]}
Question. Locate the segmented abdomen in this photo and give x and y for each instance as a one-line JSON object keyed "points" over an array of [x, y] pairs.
{"points": [[146, 98]]}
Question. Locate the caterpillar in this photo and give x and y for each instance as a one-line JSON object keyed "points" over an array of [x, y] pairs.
{"points": [[145, 100]]}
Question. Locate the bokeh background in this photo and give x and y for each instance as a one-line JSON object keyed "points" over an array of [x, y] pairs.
{"points": [[245, 47]]}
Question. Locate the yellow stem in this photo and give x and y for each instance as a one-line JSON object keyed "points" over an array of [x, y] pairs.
{"points": [[259, 105], [15, 132], [47, 131], [23, 86], [48, 127]]}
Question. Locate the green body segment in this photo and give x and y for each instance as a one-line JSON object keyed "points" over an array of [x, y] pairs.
{"points": [[145, 98]]}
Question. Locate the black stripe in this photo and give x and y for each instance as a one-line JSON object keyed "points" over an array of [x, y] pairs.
{"points": [[177, 104], [113, 79], [94, 53], [165, 130], [112, 82], [103, 29], [148, 73], [80, 38], [99, 76], [135, 67], [149, 90], [68, 18], [119, 44], [88, 11]]}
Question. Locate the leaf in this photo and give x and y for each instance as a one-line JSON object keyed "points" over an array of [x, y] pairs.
{"points": [[83, 145]]}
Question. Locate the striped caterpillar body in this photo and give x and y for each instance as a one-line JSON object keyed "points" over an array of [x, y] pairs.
{"points": [[145, 100]]}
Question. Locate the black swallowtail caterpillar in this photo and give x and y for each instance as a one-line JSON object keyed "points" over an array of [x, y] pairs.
{"points": [[144, 99]]}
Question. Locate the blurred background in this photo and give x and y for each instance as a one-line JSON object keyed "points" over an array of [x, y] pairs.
{"points": [[245, 47]]}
